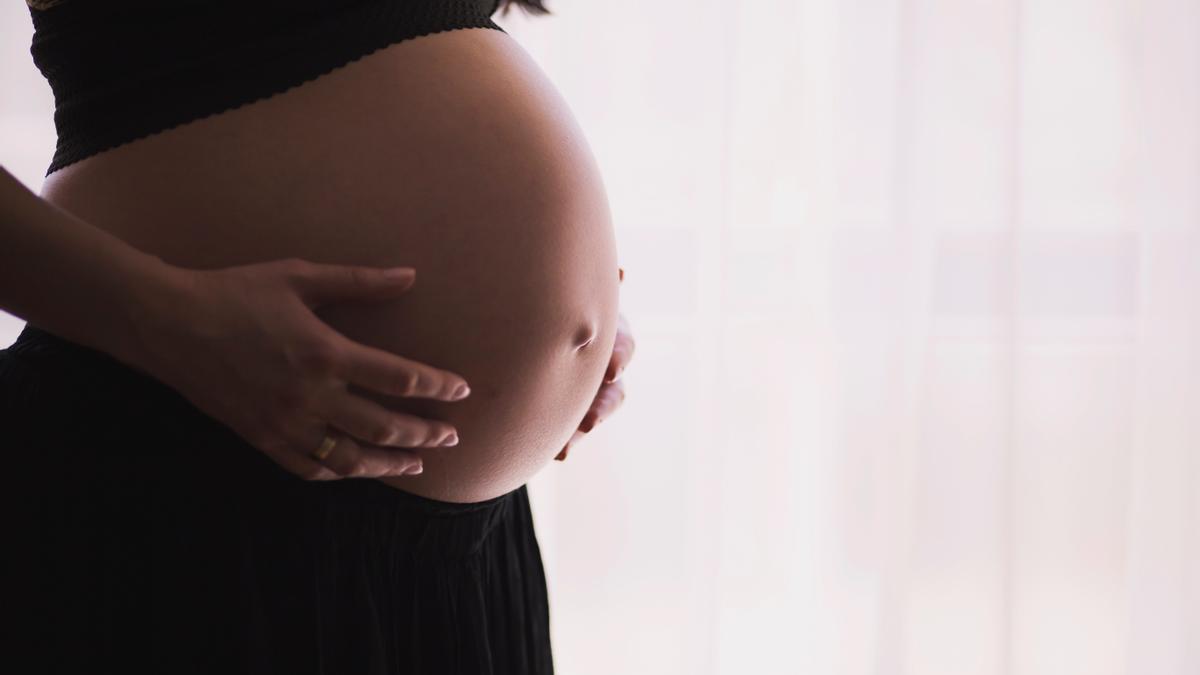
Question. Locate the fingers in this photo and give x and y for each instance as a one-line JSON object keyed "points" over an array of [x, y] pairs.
{"points": [[608, 399], [623, 348], [567, 448], [304, 467], [392, 374], [319, 284], [291, 454], [349, 459], [374, 424], [612, 390], [296, 451]]}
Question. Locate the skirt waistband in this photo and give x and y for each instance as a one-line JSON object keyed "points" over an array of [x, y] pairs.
{"points": [[41, 366], [54, 355]]}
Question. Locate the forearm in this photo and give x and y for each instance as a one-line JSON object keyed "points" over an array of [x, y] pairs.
{"points": [[69, 277]]}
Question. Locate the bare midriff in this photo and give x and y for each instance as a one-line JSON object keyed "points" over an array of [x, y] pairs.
{"points": [[451, 153]]}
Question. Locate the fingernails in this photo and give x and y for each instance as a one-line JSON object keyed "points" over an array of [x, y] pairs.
{"points": [[452, 439], [588, 424], [460, 392], [414, 469], [399, 272]]}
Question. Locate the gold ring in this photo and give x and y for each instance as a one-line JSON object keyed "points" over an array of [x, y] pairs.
{"points": [[325, 448]]}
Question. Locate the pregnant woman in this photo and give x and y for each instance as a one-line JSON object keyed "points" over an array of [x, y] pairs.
{"points": [[313, 289]]}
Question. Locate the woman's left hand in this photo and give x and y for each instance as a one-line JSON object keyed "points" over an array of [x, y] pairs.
{"points": [[612, 389]]}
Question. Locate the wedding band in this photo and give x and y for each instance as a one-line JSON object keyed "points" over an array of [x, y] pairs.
{"points": [[325, 448]]}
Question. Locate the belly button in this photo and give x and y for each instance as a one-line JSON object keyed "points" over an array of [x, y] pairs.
{"points": [[584, 335]]}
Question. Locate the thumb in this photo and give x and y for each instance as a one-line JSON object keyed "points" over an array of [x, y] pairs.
{"points": [[319, 284]]}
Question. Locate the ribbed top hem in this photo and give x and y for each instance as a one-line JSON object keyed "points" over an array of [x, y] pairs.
{"points": [[119, 75]]}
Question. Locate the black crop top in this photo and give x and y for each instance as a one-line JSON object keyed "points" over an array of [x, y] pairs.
{"points": [[125, 70]]}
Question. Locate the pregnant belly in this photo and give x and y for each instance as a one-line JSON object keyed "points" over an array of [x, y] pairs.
{"points": [[451, 153]]}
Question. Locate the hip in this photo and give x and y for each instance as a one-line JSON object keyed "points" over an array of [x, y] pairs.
{"points": [[150, 537]]}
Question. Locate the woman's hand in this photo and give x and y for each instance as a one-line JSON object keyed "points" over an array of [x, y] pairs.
{"points": [[244, 346], [612, 389]]}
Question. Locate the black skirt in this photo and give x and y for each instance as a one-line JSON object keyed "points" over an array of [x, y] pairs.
{"points": [[144, 536]]}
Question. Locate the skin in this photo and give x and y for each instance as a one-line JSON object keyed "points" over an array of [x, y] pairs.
{"points": [[271, 365], [612, 392], [452, 154]]}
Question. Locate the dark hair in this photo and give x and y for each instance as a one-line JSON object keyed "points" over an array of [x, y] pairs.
{"points": [[534, 7]]}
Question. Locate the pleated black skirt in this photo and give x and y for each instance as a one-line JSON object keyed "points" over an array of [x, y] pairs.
{"points": [[143, 536]]}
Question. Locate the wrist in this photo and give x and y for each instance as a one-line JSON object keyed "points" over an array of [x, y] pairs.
{"points": [[152, 294]]}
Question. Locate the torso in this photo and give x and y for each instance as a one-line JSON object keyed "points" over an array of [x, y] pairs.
{"points": [[451, 153]]}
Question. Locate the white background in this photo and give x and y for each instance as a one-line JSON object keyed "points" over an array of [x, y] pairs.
{"points": [[916, 291]]}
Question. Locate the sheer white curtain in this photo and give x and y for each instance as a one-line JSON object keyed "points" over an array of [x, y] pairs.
{"points": [[916, 288], [916, 292]]}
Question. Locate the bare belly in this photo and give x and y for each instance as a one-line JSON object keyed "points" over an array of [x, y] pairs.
{"points": [[451, 153]]}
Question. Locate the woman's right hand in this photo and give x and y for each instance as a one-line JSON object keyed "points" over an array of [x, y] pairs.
{"points": [[244, 346]]}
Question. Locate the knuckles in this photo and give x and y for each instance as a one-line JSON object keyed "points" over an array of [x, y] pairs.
{"points": [[312, 354], [360, 277], [317, 356], [355, 469], [408, 383], [384, 435], [394, 435], [295, 399], [405, 437]]}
